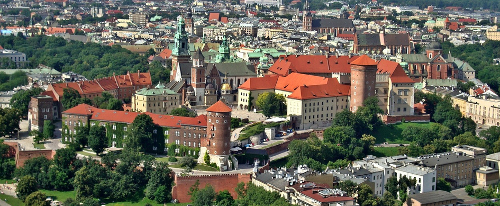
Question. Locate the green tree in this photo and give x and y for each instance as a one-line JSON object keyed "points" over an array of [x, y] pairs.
{"points": [[194, 189], [271, 104], [141, 133], [160, 177], [97, 138], [205, 196], [82, 134], [364, 194], [37, 136], [25, 187], [206, 158], [392, 186], [183, 112], [187, 162], [64, 157], [36, 199], [224, 198], [115, 104], [9, 121], [70, 98], [22, 98], [348, 186], [469, 190], [48, 129], [442, 184], [7, 167], [240, 190]]}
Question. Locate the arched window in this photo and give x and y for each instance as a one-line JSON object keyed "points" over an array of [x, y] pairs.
{"points": [[439, 68], [430, 55]]}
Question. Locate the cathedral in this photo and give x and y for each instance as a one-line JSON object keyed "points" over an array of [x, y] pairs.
{"points": [[205, 81]]}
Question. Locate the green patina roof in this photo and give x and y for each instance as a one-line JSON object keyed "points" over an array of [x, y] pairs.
{"points": [[156, 91], [415, 58], [461, 65], [255, 55]]}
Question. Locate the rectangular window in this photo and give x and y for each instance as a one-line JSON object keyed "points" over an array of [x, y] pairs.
{"points": [[44, 116], [125, 129]]}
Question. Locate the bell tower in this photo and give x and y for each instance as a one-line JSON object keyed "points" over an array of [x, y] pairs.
{"points": [[180, 52], [306, 18], [198, 78]]}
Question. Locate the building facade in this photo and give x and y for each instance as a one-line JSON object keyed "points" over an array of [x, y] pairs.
{"points": [[158, 100]]}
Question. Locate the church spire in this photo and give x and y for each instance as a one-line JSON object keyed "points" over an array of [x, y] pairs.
{"points": [[180, 39]]}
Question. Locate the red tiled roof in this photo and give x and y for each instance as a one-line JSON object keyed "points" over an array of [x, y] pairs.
{"points": [[312, 64], [51, 94], [397, 74], [104, 84], [331, 89], [294, 80], [320, 64], [54, 30], [108, 83], [364, 60], [128, 117], [467, 20], [165, 54], [224, 20], [114, 12], [219, 107], [260, 83], [346, 36], [214, 17], [81, 109], [1, 47]]}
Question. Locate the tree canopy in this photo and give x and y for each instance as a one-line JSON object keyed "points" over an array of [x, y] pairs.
{"points": [[271, 104], [141, 133]]}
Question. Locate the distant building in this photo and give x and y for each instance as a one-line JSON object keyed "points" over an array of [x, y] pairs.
{"points": [[41, 108], [382, 43], [16, 57], [138, 18], [425, 177]]}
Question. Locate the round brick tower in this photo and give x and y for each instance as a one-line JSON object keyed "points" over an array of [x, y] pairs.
{"points": [[363, 78], [218, 141]]}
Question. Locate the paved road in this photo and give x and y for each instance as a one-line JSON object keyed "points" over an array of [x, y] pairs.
{"points": [[462, 195]]}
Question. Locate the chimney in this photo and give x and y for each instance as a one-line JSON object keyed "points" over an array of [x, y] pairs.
{"points": [[138, 74]]}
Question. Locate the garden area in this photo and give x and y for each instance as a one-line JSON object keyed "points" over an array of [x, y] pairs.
{"points": [[256, 129], [392, 133]]}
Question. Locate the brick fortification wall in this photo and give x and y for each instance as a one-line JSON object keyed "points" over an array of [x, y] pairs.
{"points": [[409, 118], [13, 148], [284, 145], [22, 156], [219, 182]]}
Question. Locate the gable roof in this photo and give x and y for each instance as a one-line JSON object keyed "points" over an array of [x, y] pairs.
{"points": [[104, 84], [312, 64], [219, 106], [364, 60], [395, 70], [433, 197], [256, 83], [331, 89]]}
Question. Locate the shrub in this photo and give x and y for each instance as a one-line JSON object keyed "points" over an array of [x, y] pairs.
{"points": [[172, 159]]}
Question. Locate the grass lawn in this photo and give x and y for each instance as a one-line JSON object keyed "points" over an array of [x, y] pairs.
{"points": [[60, 195], [385, 151], [273, 144], [203, 167], [86, 153], [11, 200], [392, 133], [39, 146], [9, 181]]}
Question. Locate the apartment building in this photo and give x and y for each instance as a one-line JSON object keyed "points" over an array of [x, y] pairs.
{"points": [[425, 177], [456, 169]]}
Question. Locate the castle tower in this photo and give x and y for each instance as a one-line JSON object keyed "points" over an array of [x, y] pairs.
{"points": [[180, 52], [224, 52], [218, 140], [363, 76], [307, 18], [198, 79]]}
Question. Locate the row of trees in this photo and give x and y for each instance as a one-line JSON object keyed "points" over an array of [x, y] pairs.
{"points": [[90, 59], [347, 138], [107, 179]]}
